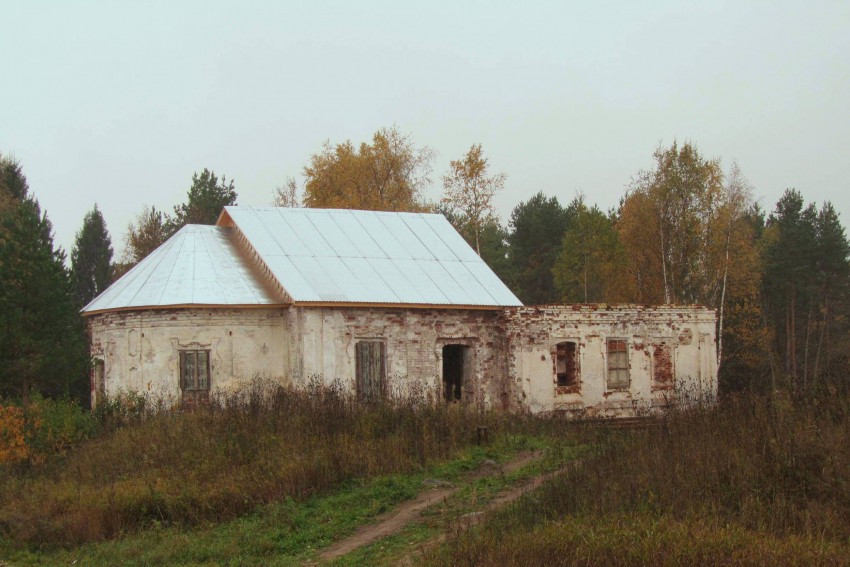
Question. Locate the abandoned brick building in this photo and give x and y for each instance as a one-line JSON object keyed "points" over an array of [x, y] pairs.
{"points": [[378, 302]]}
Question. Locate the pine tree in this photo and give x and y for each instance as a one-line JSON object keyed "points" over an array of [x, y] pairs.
{"points": [[91, 258], [590, 255], [205, 199], [537, 228], [790, 280]]}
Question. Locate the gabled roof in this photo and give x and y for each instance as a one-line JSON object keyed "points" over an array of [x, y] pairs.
{"points": [[199, 265], [310, 257], [368, 257]]}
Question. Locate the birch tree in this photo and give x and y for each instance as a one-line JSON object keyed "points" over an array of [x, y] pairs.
{"points": [[387, 175], [469, 191], [286, 195]]}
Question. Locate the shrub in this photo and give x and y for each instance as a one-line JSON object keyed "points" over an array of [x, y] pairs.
{"points": [[46, 428], [13, 445]]}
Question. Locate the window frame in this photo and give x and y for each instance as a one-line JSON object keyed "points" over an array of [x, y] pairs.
{"points": [[195, 386], [617, 365]]}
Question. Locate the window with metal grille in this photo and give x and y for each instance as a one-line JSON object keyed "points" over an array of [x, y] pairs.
{"points": [[618, 364], [370, 369], [195, 373]]}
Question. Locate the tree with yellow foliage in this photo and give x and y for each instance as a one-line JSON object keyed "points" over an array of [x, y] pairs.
{"points": [[686, 231], [386, 175], [469, 191]]}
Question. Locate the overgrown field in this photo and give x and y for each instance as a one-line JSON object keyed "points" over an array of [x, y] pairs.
{"points": [[271, 475], [756, 481], [263, 444]]}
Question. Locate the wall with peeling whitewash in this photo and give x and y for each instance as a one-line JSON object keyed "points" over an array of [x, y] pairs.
{"points": [[512, 350], [324, 339], [140, 349], [533, 332]]}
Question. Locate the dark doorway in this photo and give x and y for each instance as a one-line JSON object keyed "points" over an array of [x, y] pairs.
{"points": [[456, 360]]}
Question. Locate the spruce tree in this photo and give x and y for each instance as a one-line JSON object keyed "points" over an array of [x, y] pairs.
{"points": [[42, 339], [91, 258]]}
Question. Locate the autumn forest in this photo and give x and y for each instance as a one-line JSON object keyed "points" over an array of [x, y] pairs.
{"points": [[688, 230]]}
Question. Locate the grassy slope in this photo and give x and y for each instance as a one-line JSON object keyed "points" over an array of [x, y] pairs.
{"points": [[289, 533], [758, 481], [754, 482]]}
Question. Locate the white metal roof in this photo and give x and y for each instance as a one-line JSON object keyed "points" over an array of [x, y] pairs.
{"points": [[348, 256], [199, 265]]}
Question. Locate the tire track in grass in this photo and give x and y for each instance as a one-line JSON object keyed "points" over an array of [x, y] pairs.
{"points": [[394, 521]]}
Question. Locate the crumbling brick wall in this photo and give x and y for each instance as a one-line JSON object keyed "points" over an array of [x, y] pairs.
{"points": [[671, 355], [323, 345]]}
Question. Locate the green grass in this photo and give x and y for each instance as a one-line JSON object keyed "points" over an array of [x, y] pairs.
{"points": [[226, 461], [755, 481], [290, 532]]}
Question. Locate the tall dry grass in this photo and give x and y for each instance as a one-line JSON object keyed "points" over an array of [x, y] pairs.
{"points": [[261, 444], [736, 484]]}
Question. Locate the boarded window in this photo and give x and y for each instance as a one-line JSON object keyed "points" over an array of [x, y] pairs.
{"points": [[195, 375], [370, 369], [662, 365], [566, 364], [99, 377], [618, 364]]}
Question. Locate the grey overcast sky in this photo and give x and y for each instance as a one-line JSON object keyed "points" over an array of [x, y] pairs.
{"points": [[120, 102]]}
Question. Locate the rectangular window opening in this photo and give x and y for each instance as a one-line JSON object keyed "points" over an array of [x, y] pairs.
{"points": [[566, 364], [662, 365], [618, 364]]}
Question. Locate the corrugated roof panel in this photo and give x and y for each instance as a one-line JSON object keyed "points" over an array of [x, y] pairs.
{"points": [[276, 236], [478, 293], [343, 245], [311, 238], [427, 291], [404, 235], [441, 277], [293, 281], [150, 291], [386, 240], [328, 276], [199, 265], [492, 283], [430, 239], [123, 291], [401, 283], [209, 288], [452, 239], [366, 284], [353, 230], [181, 283], [404, 258]]}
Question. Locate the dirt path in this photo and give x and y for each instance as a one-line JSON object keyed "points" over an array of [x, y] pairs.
{"points": [[394, 521]]}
